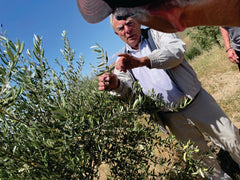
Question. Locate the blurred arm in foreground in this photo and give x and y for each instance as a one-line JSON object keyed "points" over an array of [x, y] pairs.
{"points": [[165, 15]]}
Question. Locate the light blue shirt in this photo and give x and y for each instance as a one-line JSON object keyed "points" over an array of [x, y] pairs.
{"points": [[234, 35], [156, 80]]}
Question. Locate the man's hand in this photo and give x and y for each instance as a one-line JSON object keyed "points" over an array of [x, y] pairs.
{"points": [[127, 61], [107, 81], [232, 56]]}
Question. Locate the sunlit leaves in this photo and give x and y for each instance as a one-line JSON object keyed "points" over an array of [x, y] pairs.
{"points": [[205, 36], [103, 57], [59, 126]]}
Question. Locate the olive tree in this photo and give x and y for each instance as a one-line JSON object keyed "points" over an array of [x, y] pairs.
{"points": [[59, 126]]}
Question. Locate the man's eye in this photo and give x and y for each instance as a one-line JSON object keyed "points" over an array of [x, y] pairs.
{"points": [[121, 29], [130, 23]]}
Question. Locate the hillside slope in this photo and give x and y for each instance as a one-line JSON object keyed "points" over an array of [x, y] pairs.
{"points": [[221, 79]]}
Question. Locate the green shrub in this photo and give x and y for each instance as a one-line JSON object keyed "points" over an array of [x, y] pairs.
{"points": [[192, 52], [205, 36], [59, 126]]}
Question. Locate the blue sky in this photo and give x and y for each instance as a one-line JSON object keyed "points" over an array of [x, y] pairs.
{"points": [[48, 18]]}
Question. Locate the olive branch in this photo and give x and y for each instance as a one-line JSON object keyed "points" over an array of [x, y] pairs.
{"points": [[103, 57]]}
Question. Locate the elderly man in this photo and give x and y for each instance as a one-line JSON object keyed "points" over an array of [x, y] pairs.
{"points": [[156, 60], [166, 15]]}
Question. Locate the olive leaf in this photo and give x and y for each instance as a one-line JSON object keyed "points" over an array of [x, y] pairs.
{"points": [[103, 57]]}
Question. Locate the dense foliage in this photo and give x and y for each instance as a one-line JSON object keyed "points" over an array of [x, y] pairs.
{"points": [[205, 36], [59, 126], [192, 53]]}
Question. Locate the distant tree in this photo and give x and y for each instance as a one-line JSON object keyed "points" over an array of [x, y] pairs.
{"points": [[205, 36]]}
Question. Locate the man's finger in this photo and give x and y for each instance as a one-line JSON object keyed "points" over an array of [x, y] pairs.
{"points": [[101, 78], [123, 54], [106, 78]]}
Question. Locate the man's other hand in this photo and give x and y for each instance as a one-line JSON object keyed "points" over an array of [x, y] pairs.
{"points": [[107, 81], [127, 61]]}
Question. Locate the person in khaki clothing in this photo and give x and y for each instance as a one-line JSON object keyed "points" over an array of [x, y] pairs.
{"points": [[156, 60]]}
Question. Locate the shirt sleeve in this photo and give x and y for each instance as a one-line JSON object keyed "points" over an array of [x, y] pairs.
{"points": [[170, 50], [126, 83]]}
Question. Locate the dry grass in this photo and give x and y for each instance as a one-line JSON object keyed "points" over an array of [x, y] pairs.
{"points": [[183, 35], [221, 79]]}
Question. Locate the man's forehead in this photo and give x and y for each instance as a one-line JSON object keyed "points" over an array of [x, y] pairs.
{"points": [[120, 23], [124, 21]]}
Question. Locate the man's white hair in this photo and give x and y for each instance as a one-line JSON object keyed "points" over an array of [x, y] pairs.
{"points": [[135, 13]]}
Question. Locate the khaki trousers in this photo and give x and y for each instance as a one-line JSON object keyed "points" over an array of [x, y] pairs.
{"points": [[204, 117]]}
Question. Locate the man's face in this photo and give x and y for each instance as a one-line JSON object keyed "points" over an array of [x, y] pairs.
{"points": [[128, 30]]}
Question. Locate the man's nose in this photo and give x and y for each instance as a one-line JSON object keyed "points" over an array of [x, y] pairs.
{"points": [[127, 29]]}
